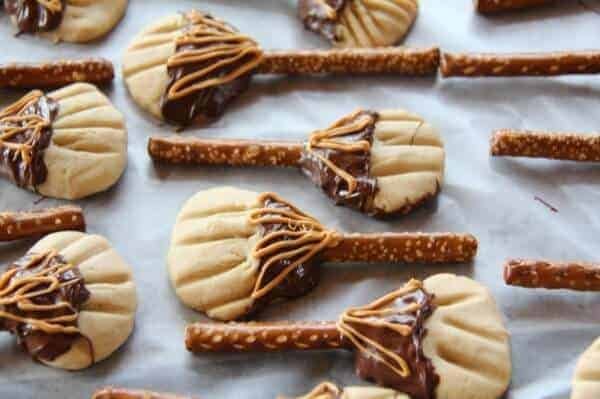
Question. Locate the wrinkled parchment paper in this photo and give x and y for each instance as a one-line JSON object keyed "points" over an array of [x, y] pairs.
{"points": [[493, 199]]}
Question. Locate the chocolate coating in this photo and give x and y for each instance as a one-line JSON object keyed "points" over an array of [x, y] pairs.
{"points": [[321, 16], [422, 380], [12, 165], [356, 163], [39, 344], [31, 16], [297, 283], [209, 102]]}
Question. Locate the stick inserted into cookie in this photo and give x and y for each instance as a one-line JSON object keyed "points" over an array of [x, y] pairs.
{"points": [[520, 64], [380, 163], [55, 74], [233, 251], [400, 340], [18, 225], [189, 67], [495, 6], [536, 144], [577, 276]]}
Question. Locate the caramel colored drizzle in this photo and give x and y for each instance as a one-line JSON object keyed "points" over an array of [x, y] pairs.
{"points": [[327, 139], [51, 5], [374, 315], [13, 123], [20, 291], [325, 388], [303, 238], [221, 47]]}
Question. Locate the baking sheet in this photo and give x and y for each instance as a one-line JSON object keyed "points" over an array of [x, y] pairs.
{"points": [[493, 199]]}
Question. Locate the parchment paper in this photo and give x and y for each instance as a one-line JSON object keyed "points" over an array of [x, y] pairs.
{"points": [[493, 199]]}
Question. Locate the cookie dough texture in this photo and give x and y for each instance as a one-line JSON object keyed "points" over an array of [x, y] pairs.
{"points": [[586, 381], [88, 151], [86, 20], [210, 263], [107, 318], [145, 62], [466, 340], [375, 23], [407, 159]]}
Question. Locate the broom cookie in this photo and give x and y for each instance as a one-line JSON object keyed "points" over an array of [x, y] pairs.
{"points": [[380, 163], [69, 143], [440, 338], [70, 300]]}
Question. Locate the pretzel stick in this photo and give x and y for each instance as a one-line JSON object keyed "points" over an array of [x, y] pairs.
{"points": [[224, 152], [562, 146], [120, 393], [406, 247], [540, 274], [261, 337], [17, 225], [493, 6], [393, 60], [56, 73], [520, 64]]}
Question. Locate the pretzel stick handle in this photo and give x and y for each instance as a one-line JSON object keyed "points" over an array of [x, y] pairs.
{"points": [[180, 150], [494, 6], [120, 393], [403, 248], [532, 144], [56, 73], [524, 64], [389, 60], [550, 275], [263, 337], [18, 225]]}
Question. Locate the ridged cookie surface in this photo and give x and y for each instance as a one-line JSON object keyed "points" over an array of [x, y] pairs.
{"points": [[466, 340], [88, 151], [145, 62], [375, 23], [107, 318], [209, 258], [407, 159]]}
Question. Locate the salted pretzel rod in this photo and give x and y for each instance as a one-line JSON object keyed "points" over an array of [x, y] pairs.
{"points": [[121, 393], [519, 64], [577, 276], [494, 6], [535, 144], [386, 60], [18, 225], [192, 150], [56, 73]]}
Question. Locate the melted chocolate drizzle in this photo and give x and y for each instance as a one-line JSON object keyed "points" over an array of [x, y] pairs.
{"points": [[421, 381], [302, 278], [355, 163], [32, 16], [27, 172], [321, 16], [42, 345], [209, 102]]}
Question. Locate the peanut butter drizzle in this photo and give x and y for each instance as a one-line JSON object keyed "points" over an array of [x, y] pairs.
{"points": [[12, 123], [302, 239], [221, 47], [51, 5], [325, 388], [21, 291], [374, 315], [326, 139]]}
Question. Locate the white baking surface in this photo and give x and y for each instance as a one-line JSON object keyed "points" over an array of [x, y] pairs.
{"points": [[493, 199]]}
